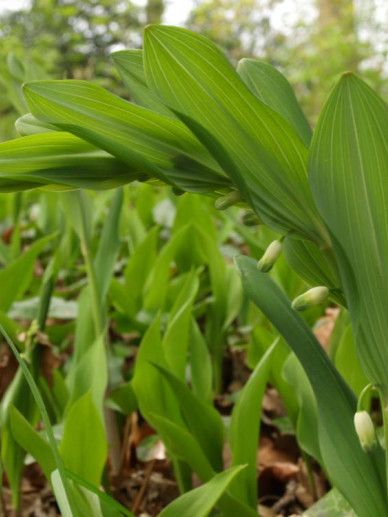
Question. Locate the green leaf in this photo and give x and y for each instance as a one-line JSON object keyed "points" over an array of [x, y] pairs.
{"points": [[350, 469], [143, 140], [32, 442], [348, 175], [202, 420], [84, 446], [180, 442], [82, 377], [109, 244], [128, 296], [184, 446], [257, 148], [157, 283], [200, 363], [348, 364], [314, 265], [105, 499], [331, 505], [200, 501], [272, 88], [176, 339], [49, 160], [153, 393], [306, 425], [21, 268], [129, 64], [245, 430], [123, 399]]}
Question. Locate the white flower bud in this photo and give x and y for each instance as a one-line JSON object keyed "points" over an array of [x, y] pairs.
{"points": [[365, 429], [312, 297], [270, 256]]}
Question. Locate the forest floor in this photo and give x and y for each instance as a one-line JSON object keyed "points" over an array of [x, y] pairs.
{"points": [[145, 483]]}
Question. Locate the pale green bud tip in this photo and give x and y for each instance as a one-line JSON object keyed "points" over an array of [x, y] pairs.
{"points": [[365, 429], [270, 256], [312, 297], [230, 199]]}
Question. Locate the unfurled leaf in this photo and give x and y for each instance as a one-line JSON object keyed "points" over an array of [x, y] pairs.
{"points": [[32, 442], [348, 170], [272, 88], [143, 140], [259, 150], [84, 446], [129, 64], [50, 160]]}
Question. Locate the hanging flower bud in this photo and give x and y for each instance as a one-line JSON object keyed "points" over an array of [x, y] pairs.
{"points": [[312, 297], [230, 199], [270, 256], [365, 429]]}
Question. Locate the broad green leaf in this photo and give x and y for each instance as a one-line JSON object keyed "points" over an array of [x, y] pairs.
{"points": [[202, 420], [306, 418], [200, 501], [184, 446], [128, 296], [176, 339], [82, 377], [157, 283], [350, 469], [143, 140], [272, 88], [21, 268], [51, 159], [84, 445], [315, 266], [258, 149], [153, 393], [123, 399], [129, 64], [348, 364], [245, 430], [348, 171], [109, 244], [180, 442], [32, 442]]}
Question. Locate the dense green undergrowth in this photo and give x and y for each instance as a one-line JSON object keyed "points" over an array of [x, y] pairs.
{"points": [[159, 265]]}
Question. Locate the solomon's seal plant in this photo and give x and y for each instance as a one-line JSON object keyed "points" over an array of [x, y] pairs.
{"points": [[199, 125]]}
